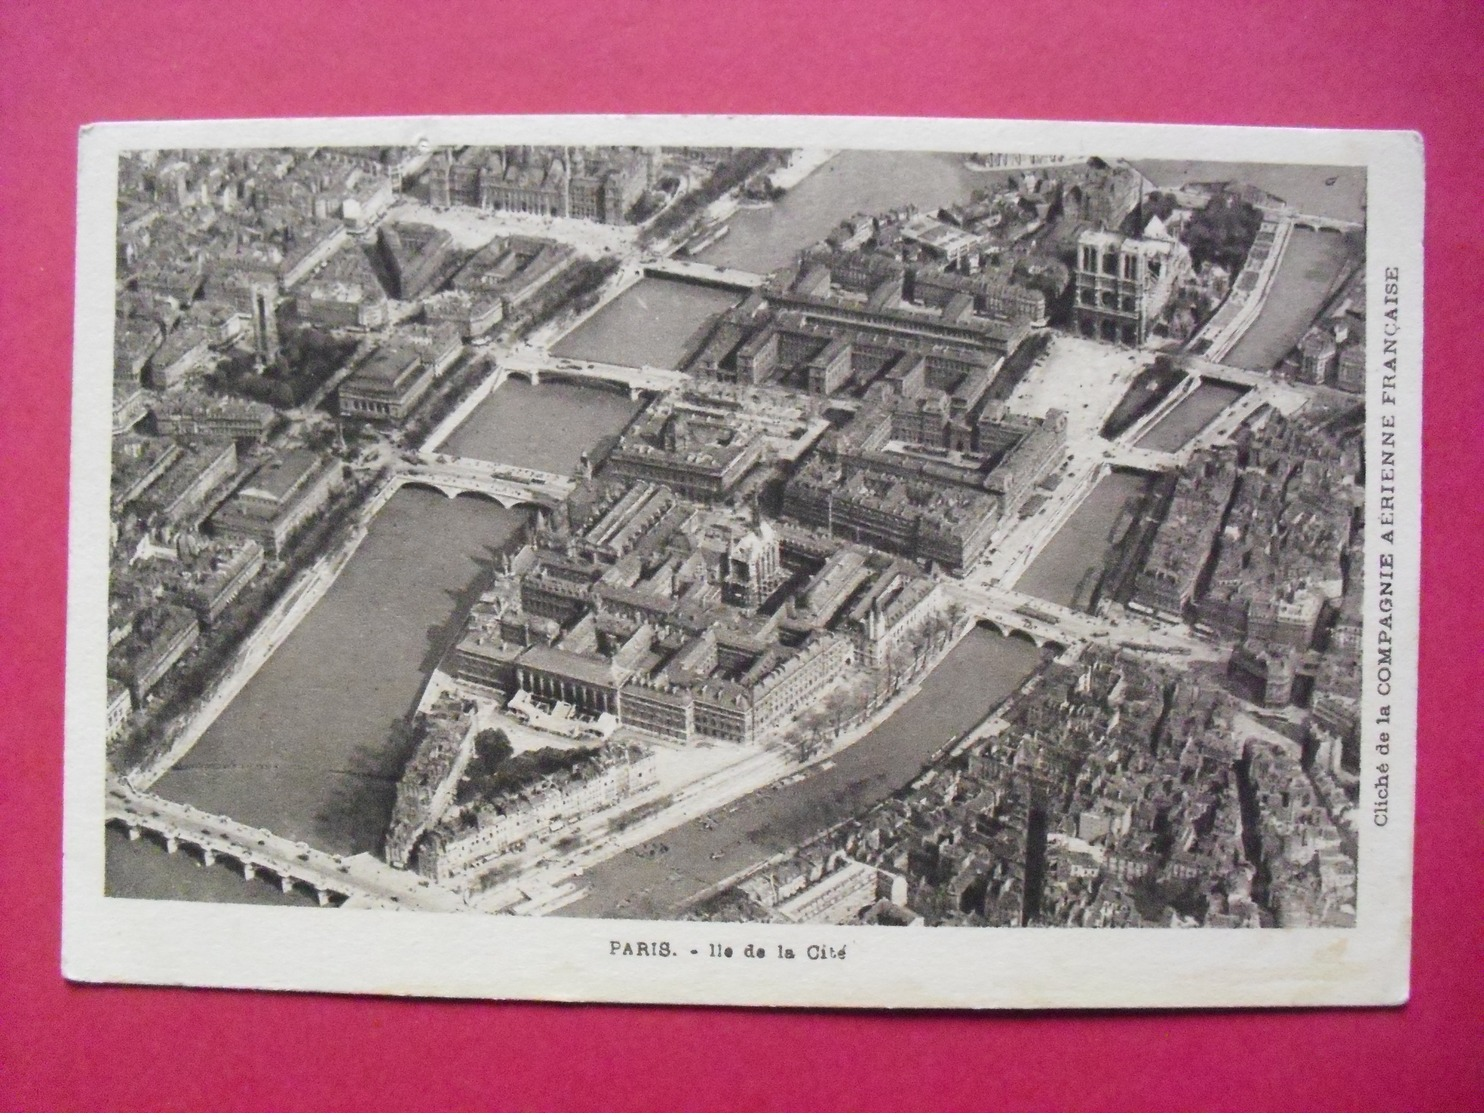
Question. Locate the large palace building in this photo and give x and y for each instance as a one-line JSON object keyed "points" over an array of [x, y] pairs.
{"points": [[682, 621], [552, 182], [873, 483], [695, 456]]}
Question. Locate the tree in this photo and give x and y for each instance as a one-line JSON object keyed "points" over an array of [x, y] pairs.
{"points": [[1223, 232], [493, 748], [803, 746], [839, 705]]}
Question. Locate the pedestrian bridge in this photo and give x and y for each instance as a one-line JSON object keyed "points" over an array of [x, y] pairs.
{"points": [[508, 485], [706, 275], [360, 881]]}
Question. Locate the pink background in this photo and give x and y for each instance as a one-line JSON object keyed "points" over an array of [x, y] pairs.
{"points": [[1336, 64]]}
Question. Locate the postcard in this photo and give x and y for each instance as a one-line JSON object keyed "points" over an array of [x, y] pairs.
{"points": [[760, 561]]}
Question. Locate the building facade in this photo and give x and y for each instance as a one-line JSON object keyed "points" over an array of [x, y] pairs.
{"points": [[387, 387], [457, 851], [120, 709], [1124, 283], [279, 498], [200, 415]]}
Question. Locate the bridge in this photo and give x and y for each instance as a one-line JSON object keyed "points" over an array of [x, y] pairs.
{"points": [[360, 881], [1146, 460], [533, 365], [705, 275], [1043, 622], [1014, 614], [1283, 398], [1259, 389], [1322, 224], [509, 485], [1208, 369]]}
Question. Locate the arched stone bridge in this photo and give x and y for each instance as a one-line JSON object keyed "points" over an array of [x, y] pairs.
{"points": [[534, 366], [507, 485], [1321, 224], [705, 275], [1043, 622], [361, 880]]}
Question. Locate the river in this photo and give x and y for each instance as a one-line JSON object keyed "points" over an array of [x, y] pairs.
{"points": [[852, 182], [648, 324], [1306, 276], [306, 748], [1306, 188], [547, 427], [1189, 417], [1069, 567], [976, 676]]}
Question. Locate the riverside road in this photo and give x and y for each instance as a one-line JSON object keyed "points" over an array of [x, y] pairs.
{"points": [[660, 879]]}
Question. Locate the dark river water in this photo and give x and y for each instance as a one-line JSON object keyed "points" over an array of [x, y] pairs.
{"points": [[649, 324], [546, 427], [1307, 189], [1069, 566], [1311, 264], [306, 748], [852, 182], [974, 678], [1189, 417]]}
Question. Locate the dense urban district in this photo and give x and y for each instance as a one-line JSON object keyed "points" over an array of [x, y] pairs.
{"points": [[690, 677]]}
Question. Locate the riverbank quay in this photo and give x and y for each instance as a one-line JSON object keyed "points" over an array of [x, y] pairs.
{"points": [[456, 418], [1249, 292], [801, 164], [779, 766], [302, 592]]}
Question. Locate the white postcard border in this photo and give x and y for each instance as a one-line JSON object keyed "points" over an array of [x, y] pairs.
{"points": [[564, 959]]}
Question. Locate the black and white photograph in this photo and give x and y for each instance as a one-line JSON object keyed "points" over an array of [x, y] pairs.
{"points": [[668, 553]]}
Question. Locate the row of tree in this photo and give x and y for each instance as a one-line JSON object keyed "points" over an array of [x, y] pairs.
{"points": [[496, 769], [730, 173], [182, 692], [1221, 232], [846, 707]]}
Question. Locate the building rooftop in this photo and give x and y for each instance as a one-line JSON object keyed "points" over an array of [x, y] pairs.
{"points": [[277, 480]]}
